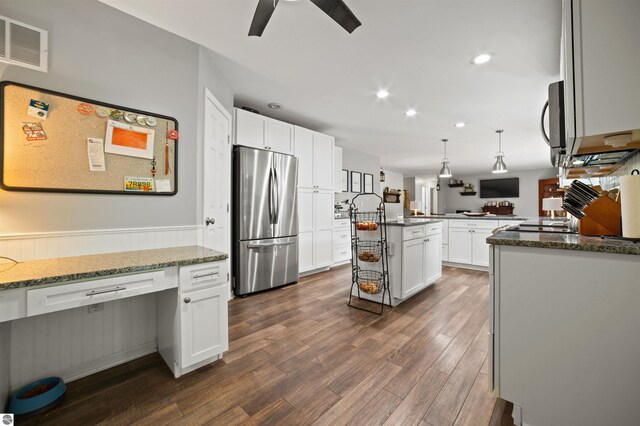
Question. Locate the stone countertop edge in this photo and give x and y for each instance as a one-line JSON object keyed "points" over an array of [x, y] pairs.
{"points": [[422, 222], [559, 241], [34, 272], [444, 217]]}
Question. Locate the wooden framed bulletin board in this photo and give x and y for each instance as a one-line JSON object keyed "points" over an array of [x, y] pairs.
{"points": [[55, 142]]}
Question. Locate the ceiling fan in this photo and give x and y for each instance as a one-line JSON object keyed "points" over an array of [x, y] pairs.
{"points": [[336, 9]]}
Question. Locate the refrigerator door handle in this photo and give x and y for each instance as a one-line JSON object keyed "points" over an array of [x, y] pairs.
{"points": [[271, 196], [276, 192], [288, 243]]}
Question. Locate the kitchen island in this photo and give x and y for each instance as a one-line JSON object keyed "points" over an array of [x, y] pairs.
{"points": [[415, 260], [564, 345]]}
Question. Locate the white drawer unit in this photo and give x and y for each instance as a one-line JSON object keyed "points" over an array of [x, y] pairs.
{"points": [[474, 224], [341, 254], [196, 277], [76, 294], [433, 229], [341, 236], [411, 232], [341, 241]]}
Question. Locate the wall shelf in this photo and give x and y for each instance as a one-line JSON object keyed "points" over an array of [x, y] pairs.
{"points": [[456, 185], [467, 193]]}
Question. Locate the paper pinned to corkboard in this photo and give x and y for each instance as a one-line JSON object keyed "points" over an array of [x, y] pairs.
{"points": [[60, 162]]}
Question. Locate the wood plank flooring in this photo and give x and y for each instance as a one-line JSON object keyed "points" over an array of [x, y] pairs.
{"points": [[299, 356]]}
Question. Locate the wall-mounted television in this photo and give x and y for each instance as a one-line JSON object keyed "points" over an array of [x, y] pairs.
{"points": [[500, 188]]}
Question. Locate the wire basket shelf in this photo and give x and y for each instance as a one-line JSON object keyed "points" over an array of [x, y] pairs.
{"points": [[369, 251], [371, 282]]}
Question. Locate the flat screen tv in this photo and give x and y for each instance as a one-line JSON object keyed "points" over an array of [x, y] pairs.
{"points": [[500, 188]]}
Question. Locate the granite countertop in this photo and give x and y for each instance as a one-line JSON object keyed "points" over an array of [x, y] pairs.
{"points": [[564, 242], [50, 271], [461, 216], [412, 222]]}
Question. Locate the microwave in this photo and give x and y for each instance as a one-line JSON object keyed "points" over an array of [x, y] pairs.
{"points": [[556, 138]]}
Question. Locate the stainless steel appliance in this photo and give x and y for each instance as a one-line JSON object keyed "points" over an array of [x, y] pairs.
{"points": [[265, 220], [557, 135]]}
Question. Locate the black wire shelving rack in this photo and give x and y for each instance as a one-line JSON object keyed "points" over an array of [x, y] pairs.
{"points": [[370, 257]]}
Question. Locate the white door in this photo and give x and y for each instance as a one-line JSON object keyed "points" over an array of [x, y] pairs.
{"points": [[337, 169], [250, 129], [323, 210], [460, 245], [323, 248], [323, 161], [305, 210], [413, 267], [480, 247], [303, 149], [433, 261], [217, 175], [305, 251], [203, 324], [280, 137]]}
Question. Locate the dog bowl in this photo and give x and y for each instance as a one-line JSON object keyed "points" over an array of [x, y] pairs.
{"points": [[37, 396]]}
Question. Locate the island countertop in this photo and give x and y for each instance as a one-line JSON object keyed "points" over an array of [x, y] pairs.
{"points": [[412, 222], [50, 271], [564, 242], [461, 216]]}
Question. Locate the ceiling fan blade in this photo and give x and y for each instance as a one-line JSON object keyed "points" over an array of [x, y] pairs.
{"points": [[339, 12], [261, 17]]}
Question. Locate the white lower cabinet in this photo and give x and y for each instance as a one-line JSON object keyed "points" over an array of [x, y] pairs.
{"points": [[416, 262], [468, 241], [341, 241], [193, 319], [203, 324], [315, 212], [413, 266]]}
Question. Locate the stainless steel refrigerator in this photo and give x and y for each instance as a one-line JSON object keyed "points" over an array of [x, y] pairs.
{"points": [[265, 219]]}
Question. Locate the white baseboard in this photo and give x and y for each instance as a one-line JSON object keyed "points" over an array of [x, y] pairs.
{"points": [[465, 266]]}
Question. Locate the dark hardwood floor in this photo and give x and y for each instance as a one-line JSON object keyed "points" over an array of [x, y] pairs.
{"points": [[298, 355]]}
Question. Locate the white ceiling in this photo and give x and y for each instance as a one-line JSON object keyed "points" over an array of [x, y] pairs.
{"points": [[419, 50]]}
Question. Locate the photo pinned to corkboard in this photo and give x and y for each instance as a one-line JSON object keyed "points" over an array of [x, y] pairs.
{"points": [[55, 142]]}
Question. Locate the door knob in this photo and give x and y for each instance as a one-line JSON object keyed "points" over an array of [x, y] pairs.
{"points": [[187, 300], [208, 221]]}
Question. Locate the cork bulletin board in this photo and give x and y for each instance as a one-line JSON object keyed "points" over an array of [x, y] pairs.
{"points": [[55, 142]]}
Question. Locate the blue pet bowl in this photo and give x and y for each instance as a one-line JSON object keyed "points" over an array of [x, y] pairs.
{"points": [[19, 405]]}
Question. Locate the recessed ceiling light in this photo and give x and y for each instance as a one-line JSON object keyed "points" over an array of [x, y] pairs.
{"points": [[411, 112], [482, 58], [382, 94], [274, 105], [460, 124]]}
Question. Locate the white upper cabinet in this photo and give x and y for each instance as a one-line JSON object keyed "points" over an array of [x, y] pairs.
{"points": [[262, 132], [337, 169], [323, 160], [600, 49], [304, 152], [251, 129], [280, 136], [315, 159]]}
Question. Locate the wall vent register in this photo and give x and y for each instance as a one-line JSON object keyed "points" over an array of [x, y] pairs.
{"points": [[23, 45]]}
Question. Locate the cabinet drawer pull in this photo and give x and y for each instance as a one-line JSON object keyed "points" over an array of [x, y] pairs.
{"points": [[109, 290], [434, 229], [210, 274], [345, 235], [187, 300]]}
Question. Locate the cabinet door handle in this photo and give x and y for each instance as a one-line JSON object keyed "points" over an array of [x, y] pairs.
{"points": [[110, 290], [195, 277], [187, 300]]}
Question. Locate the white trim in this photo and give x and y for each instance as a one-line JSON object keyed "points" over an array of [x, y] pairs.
{"points": [[208, 94], [98, 231]]}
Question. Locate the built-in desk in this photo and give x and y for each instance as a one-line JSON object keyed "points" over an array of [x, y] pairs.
{"points": [[192, 286]]}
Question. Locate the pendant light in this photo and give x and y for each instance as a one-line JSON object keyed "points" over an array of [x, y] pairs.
{"points": [[382, 177], [499, 166], [445, 171]]}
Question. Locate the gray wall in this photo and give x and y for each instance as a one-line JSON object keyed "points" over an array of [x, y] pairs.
{"points": [[357, 161], [100, 53], [393, 180], [525, 205]]}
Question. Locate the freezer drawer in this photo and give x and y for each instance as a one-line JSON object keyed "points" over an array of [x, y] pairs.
{"points": [[265, 264]]}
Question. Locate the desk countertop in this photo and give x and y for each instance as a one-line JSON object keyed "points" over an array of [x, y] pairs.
{"points": [[51, 271]]}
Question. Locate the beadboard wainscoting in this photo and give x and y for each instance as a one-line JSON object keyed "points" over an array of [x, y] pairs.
{"points": [[33, 246], [75, 343]]}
